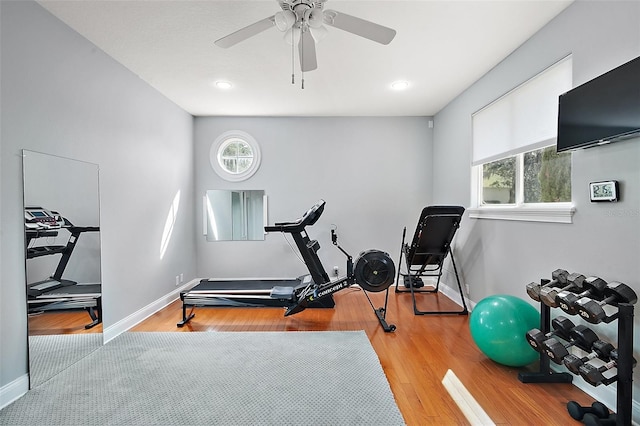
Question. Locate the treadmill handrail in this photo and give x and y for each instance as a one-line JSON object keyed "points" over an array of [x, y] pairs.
{"points": [[309, 218]]}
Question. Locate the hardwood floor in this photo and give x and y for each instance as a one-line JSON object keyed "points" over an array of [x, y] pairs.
{"points": [[61, 322], [415, 357]]}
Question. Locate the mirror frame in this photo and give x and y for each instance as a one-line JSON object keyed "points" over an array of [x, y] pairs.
{"points": [[70, 188], [226, 212]]}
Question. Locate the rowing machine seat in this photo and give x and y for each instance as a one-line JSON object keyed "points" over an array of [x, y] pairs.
{"points": [[282, 293]]}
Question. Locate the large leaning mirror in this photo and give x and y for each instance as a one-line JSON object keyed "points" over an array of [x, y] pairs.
{"points": [[63, 276], [234, 215]]}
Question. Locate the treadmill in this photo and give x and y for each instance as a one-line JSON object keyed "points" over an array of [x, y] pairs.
{"points": [[265, 292], [56, 293]]}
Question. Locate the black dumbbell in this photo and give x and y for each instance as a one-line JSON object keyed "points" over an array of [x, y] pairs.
{"points": [[548, 294], [559, 276], [561, 327], [595, 375], [600, 349], [580, 336], [577, 411], [591, 419], [614, 293], [593, 287]]}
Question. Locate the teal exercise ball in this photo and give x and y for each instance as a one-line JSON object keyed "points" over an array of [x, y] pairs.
{"points": [[499, 325]]}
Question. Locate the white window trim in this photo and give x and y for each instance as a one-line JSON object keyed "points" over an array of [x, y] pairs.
{"points": [[525, 212], [560, 76], [222, 172], [556, 213]]}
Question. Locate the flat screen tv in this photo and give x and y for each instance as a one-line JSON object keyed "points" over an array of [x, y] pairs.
{"points": [[605, 109]]}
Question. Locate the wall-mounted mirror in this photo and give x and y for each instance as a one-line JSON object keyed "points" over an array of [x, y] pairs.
{"points": [[63, 276], [234, 215]]}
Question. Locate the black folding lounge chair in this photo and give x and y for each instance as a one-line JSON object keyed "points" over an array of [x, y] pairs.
{"points": [[426, 253]]}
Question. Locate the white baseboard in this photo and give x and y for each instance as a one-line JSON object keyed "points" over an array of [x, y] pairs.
{"points": [[137, 317], [17, 388], [453, 294], [14, 390], [450, 292], [465, 401]]}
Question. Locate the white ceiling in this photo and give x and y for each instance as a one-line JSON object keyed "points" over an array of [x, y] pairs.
{"points": [[441, 48]]}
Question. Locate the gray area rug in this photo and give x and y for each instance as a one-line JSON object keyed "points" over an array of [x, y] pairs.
{"points": [[250, 378], [49, 355]]}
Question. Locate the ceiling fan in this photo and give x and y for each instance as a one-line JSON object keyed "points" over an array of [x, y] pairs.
{"points": [[302, 21]]}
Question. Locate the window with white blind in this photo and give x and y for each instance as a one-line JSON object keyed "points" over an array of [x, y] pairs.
{"points": [[516, 172]]}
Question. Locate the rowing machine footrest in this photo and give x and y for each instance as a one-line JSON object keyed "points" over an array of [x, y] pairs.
{"points": [[282, 293]]}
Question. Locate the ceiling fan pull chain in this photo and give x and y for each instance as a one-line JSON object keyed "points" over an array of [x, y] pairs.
{"points": [[293, 60], [302, 55]]}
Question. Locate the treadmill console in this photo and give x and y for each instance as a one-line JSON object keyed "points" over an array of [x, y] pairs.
{"points": [[38, 218], [313, 214], [310, 217]]}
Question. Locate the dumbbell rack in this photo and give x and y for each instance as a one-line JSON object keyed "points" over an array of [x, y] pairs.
{"points": [[624, 382]]}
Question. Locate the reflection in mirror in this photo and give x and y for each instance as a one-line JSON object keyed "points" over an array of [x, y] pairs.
{"points": [[234, 215], [63, 284]]}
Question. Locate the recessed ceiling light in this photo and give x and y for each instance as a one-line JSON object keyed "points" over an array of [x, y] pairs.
{"points": [[400, 85], [225, 85]]}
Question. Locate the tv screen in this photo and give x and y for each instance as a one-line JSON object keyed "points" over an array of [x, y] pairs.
{"points": [[605, 109]]}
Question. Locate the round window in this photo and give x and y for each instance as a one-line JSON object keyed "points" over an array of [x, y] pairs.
{"points": [[235, 156]]}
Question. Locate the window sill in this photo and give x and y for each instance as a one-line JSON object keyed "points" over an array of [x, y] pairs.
{"points": [[552, 214]]}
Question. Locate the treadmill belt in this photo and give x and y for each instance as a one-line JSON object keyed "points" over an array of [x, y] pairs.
{"points": [[246, 293], [75, 290]]}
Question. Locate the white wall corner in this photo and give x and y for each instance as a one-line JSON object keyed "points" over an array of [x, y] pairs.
{"points": [[452, 293], [140, 315]]}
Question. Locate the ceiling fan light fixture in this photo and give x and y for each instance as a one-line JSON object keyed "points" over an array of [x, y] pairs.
{"points": [[284, 20], [329, 16], [224, 85], [302, 22], [400, 85], [292, 39], [319, 33], [314, 18]]}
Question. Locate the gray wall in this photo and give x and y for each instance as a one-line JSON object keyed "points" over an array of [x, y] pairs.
{"points": [[604, 240], [374, 174], [63, 96]]}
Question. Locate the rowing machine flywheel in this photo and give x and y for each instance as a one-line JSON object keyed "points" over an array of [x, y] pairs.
{"points": [[374, 270]]}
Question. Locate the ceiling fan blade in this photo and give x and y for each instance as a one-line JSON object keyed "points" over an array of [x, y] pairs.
{"points": [[358, 26], [246, 32], [307, 50]]}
